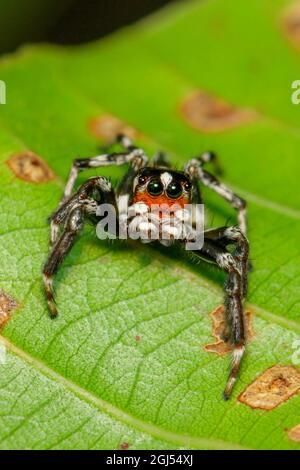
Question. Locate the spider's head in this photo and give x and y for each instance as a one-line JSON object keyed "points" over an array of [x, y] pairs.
{"points": [[162, 186]]}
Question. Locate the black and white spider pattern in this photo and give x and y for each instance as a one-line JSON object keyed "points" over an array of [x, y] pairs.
{"points": [[143, 183]]}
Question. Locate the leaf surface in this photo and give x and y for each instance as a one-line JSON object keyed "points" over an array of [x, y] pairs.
{"points": [[124, 362]]}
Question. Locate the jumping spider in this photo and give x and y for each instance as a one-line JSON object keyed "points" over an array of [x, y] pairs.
{"points": [[143, 184]]}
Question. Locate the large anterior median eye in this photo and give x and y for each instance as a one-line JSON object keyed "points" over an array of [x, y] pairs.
{"points": [[174, 190], [155, 188]]}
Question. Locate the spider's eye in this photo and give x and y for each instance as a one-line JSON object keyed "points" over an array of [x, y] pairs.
{"points": [[174, 190], [142, 179], [187, 186], [155, 188]]}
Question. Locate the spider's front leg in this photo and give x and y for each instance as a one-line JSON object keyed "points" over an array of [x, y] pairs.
{"points": [[70, 218], [133, 155], [235, 264], [194, 168]]}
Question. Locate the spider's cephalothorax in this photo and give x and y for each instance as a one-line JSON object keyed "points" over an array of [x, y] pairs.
{"points": [[161, 186], [158, 207], [142, 187]]}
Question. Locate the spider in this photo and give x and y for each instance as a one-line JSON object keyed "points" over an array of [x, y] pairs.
{"points": [[226, 247]]}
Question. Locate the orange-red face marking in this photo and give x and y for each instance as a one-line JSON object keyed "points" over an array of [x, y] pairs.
{"points": [[146, 198], [169, 190]]}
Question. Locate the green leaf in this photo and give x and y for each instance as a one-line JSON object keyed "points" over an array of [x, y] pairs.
{"points": [[124, 362]]}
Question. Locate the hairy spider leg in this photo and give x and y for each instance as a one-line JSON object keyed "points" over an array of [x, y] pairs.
{"points": [[70, 217], [68, 220], [194, 168], [235, 264], [211, 157], [135, 157]]}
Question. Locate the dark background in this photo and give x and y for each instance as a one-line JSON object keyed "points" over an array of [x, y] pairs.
{"points": [[67, 21]]}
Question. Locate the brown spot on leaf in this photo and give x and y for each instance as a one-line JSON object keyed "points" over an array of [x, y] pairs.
{"points": [[107, 126], [207, 113], [294, 433], [124, 446], [137, 338], [29, 167], [221, 346], [273, 387], [7, 305], [291, 23]]}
